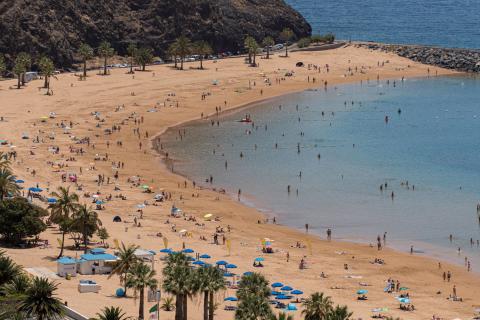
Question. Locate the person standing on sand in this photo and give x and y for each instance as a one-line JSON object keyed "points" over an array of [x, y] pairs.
{"points": [[454, 291], [306, 227], [449, 276], [329, 234]]}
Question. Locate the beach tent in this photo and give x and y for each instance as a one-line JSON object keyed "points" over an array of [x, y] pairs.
{"points": [[117, 219]]}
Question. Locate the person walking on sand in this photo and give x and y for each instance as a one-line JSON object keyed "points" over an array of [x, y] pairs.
{"points": [[454, 291]]}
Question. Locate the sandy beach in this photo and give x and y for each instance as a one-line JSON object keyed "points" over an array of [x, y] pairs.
{"points": [[163, 97]]}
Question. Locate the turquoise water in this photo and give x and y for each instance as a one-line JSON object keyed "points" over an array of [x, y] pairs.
{"points": [[447, 23], [433, 143]]}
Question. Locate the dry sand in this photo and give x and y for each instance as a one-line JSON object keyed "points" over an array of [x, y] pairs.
{"points": [[74, 100]]}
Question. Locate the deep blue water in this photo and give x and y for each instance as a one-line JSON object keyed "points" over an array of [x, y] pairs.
{"points": [[433, 143], [446, 23]]}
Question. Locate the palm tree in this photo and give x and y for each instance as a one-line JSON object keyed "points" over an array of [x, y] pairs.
{"points": [[250, 44], [9, 270], [4, 162], [111, 313], [40, 301], [183, 48], [173, 52], [105, 51], [144, 56], [286, 35], [85, 52], [339, 313], [141, 276], [126, 260], [209, 280], [60, 211], [282, 316], [132, 52], [86, 221], [177, 280], [267, 43], [17, 286], [252, 294], [7, 184], [317, 307], [202, 48], [167, 304], [47, 69], [22, 63]]}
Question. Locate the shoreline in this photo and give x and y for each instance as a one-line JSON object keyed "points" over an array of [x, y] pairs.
{"points": [[270, 213], [102, 95]]}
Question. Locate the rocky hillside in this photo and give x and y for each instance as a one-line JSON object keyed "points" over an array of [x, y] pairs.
{"points": [[57, 27]]}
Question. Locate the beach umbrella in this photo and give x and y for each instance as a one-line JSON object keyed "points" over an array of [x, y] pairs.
{"points": [[403, 288], [275, 293], [286, 288], [99, 202], [221, 263], [362, 291], [188, 250], [52, 200], [145, 186], [230, 299], [19, 181], [291, 307], [205, 256], [248, 273], [95, 196], [166, 251], [190, 258], [141, 206], [208, 216], [259, 259], [404, 300], [230, 266], [198, 263], [228, 274], [282, 297], [277, 284], [35, 189], [296, 292]]}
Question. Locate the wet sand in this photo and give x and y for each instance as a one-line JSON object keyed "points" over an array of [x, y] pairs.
{"points": [[177, 98]]}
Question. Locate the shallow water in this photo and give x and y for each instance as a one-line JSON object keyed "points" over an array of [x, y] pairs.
{"points": [[433, 143], [447, 23]]}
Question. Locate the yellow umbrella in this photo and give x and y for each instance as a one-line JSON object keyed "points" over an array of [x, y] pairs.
{"points": [[208, 216]]}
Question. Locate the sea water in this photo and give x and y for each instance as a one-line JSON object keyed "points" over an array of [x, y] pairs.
{"points": [[337, 147], [446, 23]]}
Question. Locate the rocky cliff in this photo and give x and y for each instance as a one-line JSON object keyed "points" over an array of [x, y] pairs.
{"points": [[57, 27], [466, 60]]}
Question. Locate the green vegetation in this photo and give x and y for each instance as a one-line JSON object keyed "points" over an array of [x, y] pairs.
{"points": [[105, 51], [126, 260], [141, 276], [253, 295], [22, 64], [85, 52], [111, 313], [326, 38], [102, 233], [202, 48], [3, 65], [303, 43], [47, 69], [182, 47], [267, 43], [85, 221], [132, 52], [252, 47], [143, 56], [286, 35]]}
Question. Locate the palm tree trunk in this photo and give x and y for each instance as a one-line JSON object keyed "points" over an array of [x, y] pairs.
{"points": [[142, 303], [45, 84], [85, 68], [201, 62], [205, 305], [249, 57], [175, 60], [286, 49], [19, 82], [85, 237], [143, 67], [211, 306], [185, 307], [125, 284], [179, 307], [181, 64], [131, 64], [268, 52], [254, 59], [105, 66], [61, 246]]}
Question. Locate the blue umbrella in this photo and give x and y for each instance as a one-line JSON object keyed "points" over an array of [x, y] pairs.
{"points": [[282, 297], [259, 259], [296, 292], [19, 181], [248, 273], [404, 300], [99, 202], [291, 307], [231, 266], [190, 258], [166, 251], [275, 293], [205, 256], [228, 274], [198, 263], [286, 288], [362, 291], [277, 284], [230, 299], [35, 189], [188, 250], [152, 252], [52, 200], [221, 263]]}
